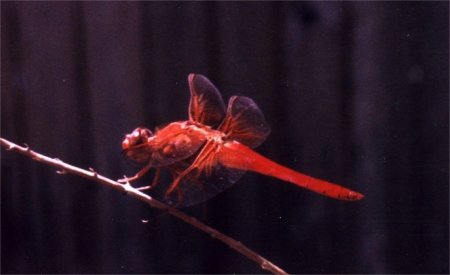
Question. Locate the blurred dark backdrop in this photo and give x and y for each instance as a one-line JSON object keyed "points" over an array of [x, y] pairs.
{"points": [[355, 92]]}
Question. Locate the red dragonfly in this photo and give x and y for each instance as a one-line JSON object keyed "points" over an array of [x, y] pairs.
{"points": [[210, 151]]}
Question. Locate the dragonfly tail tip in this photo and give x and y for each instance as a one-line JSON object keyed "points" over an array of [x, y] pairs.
{"points": [[355, 196]]}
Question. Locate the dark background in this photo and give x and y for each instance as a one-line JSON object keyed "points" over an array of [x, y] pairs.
{"points": [[355, 93]]}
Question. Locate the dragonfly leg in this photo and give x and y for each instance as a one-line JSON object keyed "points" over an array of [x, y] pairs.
{"points": [[179, 198], [154, 181], [177, 180], [198, 164], [137, 176]]}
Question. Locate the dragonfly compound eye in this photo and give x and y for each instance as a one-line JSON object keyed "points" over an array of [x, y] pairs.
{"points": [[138, 136], [145, 133]]}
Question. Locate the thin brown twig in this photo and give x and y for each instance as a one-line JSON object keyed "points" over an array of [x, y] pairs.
{"points": [[64, 168]]}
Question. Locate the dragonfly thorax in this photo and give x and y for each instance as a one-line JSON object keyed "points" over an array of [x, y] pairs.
{"points": [[202, 130]]}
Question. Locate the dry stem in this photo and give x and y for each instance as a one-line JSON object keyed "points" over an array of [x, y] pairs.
{"points": [[64, 168]]}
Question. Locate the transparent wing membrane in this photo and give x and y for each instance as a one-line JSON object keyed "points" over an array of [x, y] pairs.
{"points": [[244, 122], [206, 105]]}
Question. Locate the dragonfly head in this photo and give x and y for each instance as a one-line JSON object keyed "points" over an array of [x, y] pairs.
{"points": [[134, 144], [138, 136]]}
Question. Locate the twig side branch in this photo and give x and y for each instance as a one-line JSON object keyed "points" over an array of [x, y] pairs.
{"points": [[65, 168]]}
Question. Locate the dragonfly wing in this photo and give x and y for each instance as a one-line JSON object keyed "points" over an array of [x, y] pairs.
{"points": [[206, 105], [197, 187], [245, 122]]}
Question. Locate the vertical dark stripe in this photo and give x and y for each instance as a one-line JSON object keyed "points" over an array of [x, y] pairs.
{"points": [[85, 153], [147, 64], [14, 126], [12, 88], [81, 69], [279, 101], [347, 90], [213, 40]]}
